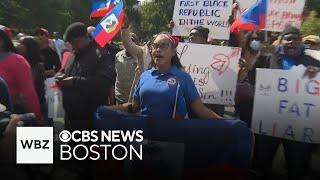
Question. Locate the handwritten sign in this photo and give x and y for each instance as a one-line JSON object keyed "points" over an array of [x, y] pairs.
{"points": [[287, 105], [282, 13], [243, 5], [213, 14], [54, 99], [214, 70]]}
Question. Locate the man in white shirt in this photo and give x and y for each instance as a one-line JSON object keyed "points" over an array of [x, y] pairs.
{"points": [[59, 44]]}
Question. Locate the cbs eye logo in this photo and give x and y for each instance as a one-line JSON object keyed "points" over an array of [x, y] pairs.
{"points": [[65, 136]]}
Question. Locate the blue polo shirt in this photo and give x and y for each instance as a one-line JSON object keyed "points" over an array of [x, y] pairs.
{"points": [[157, 92]]}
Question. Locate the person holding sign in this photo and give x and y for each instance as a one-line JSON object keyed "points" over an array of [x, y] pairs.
{"points": [[290, 53], [165, 90]]}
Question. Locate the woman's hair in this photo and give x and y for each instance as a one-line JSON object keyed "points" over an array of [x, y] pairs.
{"points": [[175, 61], [8, 45], [32, 50]]}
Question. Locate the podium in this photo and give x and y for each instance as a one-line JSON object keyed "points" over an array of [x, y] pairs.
{"points": [[212, 148]]}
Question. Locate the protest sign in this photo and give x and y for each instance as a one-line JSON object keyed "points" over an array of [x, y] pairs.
{"points": [[53, 99], [214, 70], [213, 14], [282, 13], [286, 105]]}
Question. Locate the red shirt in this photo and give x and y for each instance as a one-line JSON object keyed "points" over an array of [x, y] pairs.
{"points": [[16, 71], [64, 59]]}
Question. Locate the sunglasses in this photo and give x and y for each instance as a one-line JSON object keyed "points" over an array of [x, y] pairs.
{"points": [[163, 46]]}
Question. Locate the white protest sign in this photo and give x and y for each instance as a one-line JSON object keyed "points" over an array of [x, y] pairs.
{"points": [[287, 105], [214, 70], [313, 53], [244, 4], [213, 14], [53, 99], [282, 13]]}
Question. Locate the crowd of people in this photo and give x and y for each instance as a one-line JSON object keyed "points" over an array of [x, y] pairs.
{"points": [[142, 78]]}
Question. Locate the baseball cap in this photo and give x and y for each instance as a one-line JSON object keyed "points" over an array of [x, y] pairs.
{"points": [[7, 31], [74, 31], [46, 32]]}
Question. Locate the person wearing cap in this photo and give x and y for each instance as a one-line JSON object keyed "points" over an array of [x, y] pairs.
{"points": [[290, 53], [312, 42], [125, 66], [50, 56], [165, 90], [58, 44], [7, 30], [85, 79]]}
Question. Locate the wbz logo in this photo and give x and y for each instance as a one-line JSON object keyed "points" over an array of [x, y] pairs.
{"points": [[37, 144], [34, 145]]}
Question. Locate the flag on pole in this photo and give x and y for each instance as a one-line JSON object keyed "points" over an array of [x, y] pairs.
{"points": [[100, 9], [253, 18], [110, 25]]}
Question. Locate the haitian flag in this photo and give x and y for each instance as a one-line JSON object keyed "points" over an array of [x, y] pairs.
{"points": [[100, 9], [109, 25], [253, 18], [211, 148]]}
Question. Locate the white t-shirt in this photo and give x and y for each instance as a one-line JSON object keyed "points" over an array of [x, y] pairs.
{"points": [[59, 45]]}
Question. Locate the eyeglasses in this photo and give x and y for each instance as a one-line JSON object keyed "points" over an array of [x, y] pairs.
{"points": [[163, 46]]}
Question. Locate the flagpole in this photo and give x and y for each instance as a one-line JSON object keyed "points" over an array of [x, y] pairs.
{"points": [[266, 36]]}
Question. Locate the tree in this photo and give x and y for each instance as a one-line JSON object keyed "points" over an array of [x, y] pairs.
{"points": [[133, 12], [156, 16], [313, 5], [311, 25], [54, 15], [11, 12]]}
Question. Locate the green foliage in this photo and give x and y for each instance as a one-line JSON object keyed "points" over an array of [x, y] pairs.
{"points": [[156, 16], [311, 25], [55, 15], [313, 5], [132, 9]]}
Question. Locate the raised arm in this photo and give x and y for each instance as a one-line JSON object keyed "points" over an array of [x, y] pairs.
{"points": [[135, 50]]}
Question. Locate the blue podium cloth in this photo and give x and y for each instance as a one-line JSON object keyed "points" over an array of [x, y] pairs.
{"points": [[207, 142]]}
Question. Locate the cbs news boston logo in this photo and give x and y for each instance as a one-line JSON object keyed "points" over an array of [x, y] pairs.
{"points": [[34, 145]]}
